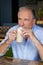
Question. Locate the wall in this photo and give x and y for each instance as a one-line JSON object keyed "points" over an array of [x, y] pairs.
{"points": [[6, 11]]}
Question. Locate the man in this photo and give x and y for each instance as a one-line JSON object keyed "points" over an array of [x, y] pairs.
{"points": [[31, 47]]}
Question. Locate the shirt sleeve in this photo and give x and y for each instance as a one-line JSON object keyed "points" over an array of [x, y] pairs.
{"points": [[1, 54], [6, 37], [39, 35], [41, 38]]}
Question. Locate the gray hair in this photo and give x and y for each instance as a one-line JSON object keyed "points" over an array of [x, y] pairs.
{"points": [[28, 8]]}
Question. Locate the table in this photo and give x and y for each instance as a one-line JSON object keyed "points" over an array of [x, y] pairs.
{"points": [[12, 61]]}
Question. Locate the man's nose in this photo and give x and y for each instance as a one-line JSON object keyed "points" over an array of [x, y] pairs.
{"points": [[22, 22]]}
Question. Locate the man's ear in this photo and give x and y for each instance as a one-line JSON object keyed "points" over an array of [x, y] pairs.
{"points": [[34, 21]]}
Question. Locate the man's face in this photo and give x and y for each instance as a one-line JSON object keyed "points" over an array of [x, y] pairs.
{"points": [[25, 19]]}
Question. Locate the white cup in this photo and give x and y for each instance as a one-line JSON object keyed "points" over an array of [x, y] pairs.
{"points": [[19, 37]]}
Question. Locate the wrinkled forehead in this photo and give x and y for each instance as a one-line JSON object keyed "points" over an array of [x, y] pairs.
{"points": [[25, 10]]}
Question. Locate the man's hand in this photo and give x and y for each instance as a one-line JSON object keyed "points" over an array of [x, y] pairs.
{"points": [[27, 33], [12, 35]]}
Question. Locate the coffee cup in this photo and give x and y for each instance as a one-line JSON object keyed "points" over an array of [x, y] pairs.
{"points": [[19, 36]]}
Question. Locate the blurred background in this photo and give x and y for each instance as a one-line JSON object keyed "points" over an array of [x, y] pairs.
{"points": [[9, 9]]}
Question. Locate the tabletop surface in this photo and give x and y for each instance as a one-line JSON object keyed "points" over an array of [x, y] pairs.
{"points": [[11, 61]]}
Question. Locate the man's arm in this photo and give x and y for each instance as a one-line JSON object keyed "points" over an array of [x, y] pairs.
{"points": [[38, 45], [4, 46]]}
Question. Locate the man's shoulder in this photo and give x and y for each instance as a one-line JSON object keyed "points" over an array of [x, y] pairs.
{"points": [[13, 28], [37, 28]]}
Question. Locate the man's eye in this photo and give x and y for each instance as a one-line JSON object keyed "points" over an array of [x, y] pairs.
{"points": [[19, 18], [26, 19]]}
